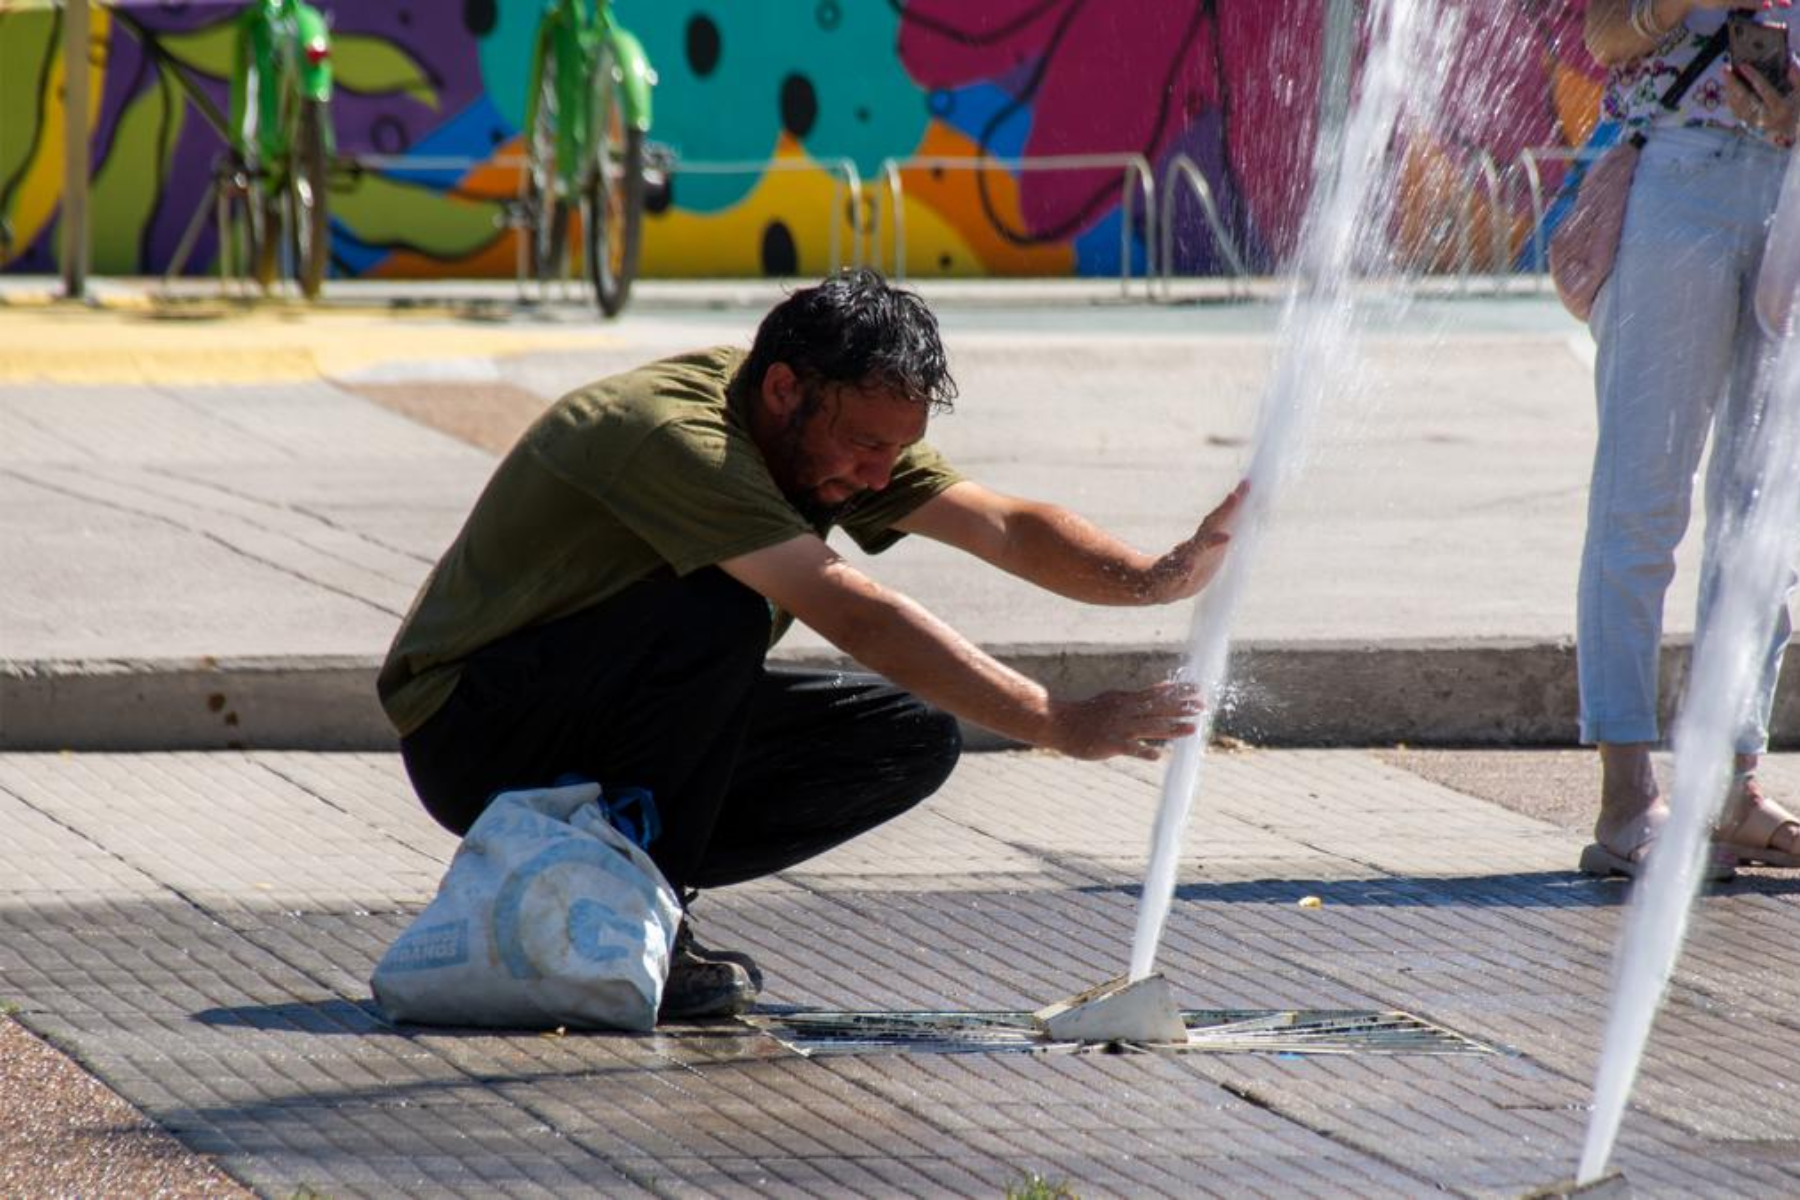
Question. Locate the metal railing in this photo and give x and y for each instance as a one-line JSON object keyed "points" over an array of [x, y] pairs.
{"points": [[512, 215], [1534, 182], [1182, 169], [1134, 168], [1499, 243], [862, 217], [845, 181], [1483, 172], [846, 204]]}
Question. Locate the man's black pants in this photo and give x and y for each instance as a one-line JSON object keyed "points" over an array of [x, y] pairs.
{"points": [[664, 687]]}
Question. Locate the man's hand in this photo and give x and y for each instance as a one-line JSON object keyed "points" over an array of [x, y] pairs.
{"points": [[895, 637], [1190, 566], [1134, 723]]}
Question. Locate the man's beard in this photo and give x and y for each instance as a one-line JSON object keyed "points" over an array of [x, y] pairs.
{"points": [[794, 462]]}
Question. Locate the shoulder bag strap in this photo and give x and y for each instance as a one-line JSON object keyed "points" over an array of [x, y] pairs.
{"points": [[1714, 47]]}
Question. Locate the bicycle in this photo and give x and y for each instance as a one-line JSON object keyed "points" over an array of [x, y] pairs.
{"points": [[280, 133], [587, 119], [279, 142]]}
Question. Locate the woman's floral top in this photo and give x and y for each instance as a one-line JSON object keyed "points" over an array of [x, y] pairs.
{"points": [[1634, 90]]}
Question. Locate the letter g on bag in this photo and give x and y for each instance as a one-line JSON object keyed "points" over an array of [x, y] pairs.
{"points": [[573, 877]]}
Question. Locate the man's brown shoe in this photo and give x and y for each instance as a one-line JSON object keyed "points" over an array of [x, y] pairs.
{"points": [[698, 987], [684, 939]]}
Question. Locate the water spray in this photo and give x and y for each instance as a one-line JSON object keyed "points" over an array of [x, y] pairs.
{"points": [[1345, 230], [1345, 227]]}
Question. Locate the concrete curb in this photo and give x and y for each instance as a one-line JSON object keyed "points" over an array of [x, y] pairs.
{"points": [[1466, 693], [276, 703]]}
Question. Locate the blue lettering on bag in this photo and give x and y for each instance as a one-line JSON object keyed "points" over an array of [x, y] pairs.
{"points": [[432, 947]]}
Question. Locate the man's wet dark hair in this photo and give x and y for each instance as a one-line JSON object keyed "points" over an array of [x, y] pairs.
{"points": [[855, 328]]}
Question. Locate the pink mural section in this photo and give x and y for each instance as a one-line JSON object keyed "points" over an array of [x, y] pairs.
{"points": [[1234, 86], [1231, 85]]}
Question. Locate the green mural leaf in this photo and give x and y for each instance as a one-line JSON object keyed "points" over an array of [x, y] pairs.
{"points": [[209, 50], [376, 66], [382, 212], [128, 184], [27, 43]]}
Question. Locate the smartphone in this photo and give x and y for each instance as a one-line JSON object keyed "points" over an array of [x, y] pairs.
{"points": [[1760, 47]]}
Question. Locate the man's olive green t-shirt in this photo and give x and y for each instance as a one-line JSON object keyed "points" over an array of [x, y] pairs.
{"points": [[650, 471]]}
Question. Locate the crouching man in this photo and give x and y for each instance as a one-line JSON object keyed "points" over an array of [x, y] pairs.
{"points": [[606, 608]]}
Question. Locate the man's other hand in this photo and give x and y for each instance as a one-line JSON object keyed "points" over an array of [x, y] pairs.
{"points": [[1190, 566], [1135, 723]]}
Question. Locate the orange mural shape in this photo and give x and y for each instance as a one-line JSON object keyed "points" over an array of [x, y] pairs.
{"points": [[500, 177], [948, 230], [496, 260], [1577, 98]]}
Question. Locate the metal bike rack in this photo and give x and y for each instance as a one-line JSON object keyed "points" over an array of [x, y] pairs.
{"points": [[1534, 180], [1498, 227], [227, 186], [1133, 167], [1482, 172], [1489, 172], [1183, 169], [845, 181], [512, 215]]}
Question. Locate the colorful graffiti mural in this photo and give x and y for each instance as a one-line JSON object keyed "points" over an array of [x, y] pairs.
{"points": [[773, 108]]}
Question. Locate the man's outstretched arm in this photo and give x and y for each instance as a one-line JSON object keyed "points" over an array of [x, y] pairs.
{"points": [[895, 636], [1069, 555]]}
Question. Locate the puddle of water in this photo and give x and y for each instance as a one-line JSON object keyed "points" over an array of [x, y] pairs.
{"points": [[1217, 1031]]}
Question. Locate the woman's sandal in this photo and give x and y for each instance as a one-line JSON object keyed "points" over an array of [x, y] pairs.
{"points": [[1597, 858], [1759, 821]]}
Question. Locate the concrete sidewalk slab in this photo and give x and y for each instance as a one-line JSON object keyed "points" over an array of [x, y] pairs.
{"points": [[198, 929], [203, 565]]}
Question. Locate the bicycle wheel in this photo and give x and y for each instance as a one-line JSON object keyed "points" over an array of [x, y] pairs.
{"points": [[613, 199], [309, 229], [546, 211]]}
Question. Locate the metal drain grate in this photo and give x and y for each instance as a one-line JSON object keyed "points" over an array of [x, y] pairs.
{"points": [[1219, 1031], [910, 1032], [1325, 1032]]}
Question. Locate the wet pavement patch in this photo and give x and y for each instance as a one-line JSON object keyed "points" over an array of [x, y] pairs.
{"points": [[1218, 1031]]}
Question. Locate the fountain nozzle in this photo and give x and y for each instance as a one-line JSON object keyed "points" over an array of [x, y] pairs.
{"points": [[1610, 1186], [1119, 1010]]}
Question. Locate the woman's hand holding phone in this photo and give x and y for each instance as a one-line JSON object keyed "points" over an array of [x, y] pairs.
{"points": [[1759, 105]]}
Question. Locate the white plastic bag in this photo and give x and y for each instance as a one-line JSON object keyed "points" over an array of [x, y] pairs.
{"points": [[548, 916]]}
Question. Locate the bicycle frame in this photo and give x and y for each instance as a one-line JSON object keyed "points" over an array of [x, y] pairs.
{"points": [[277, 41], [578, 33]]}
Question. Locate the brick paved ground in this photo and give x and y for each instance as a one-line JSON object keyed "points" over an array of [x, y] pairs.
{"points": [[198, 930]]}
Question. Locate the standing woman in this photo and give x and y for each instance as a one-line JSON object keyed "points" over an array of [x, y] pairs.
{"points": [[1679, 347]]}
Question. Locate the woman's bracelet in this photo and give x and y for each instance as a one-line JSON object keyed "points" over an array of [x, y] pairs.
{"points": [[1641, 15]]}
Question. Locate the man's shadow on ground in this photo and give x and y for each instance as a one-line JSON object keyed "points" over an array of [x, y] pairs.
{"points": [[363, 1018]]}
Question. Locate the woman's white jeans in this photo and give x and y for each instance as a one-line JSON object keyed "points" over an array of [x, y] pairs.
{"points": [[1679, 349]]}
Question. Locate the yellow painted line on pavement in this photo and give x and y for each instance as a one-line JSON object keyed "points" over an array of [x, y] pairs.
{"points": [[132, 344]]}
